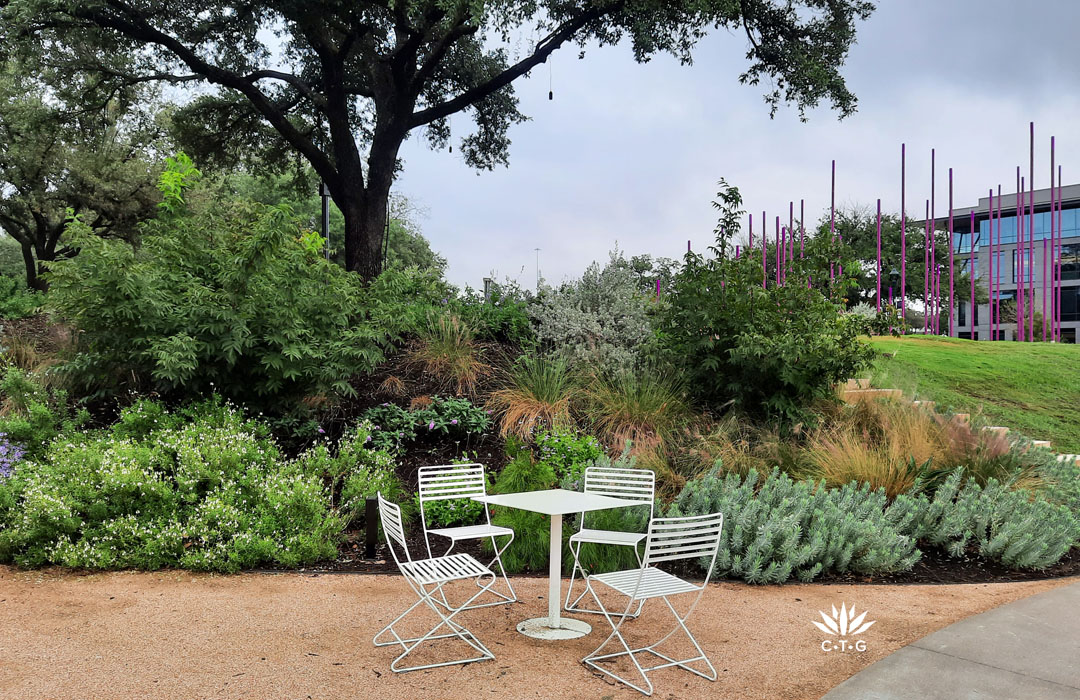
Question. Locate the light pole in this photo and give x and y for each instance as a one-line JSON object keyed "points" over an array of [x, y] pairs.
{"points": [[537, 270], [324, 192]]}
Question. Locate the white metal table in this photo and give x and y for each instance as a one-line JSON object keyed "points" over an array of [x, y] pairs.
{"points": [[556, 503]]}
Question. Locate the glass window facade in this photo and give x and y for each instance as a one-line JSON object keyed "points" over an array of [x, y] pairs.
{"points": [[1027, 266], [1070, 261], [1070, 226], [1070, 303]]}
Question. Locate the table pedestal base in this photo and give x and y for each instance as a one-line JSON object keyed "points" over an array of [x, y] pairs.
{"points": [[540, 628]]}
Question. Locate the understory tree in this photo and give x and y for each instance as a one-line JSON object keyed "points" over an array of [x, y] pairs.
{"points": [[78, 151], [343, 84]]}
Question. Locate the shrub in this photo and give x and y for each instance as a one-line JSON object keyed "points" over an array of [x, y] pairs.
{"points": [[999, 523], [770, 351], [603, 319], [16, 301], [450, 417], [567, 452], [530, 549], [446, 349], [35, 414], [219, 295], [780, 528], [537, 397], [503, 317], [212, 493]]}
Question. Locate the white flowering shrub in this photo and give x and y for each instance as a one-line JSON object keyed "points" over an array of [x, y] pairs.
{"points": [[203, 488], [603, 319]]}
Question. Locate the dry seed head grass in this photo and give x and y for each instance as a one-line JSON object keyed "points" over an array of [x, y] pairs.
{"points": [[447, 350], [645, 408], [536, 395], [392, 386]]}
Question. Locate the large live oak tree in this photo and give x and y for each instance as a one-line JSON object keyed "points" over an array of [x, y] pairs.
{"points": [[343, 82]]}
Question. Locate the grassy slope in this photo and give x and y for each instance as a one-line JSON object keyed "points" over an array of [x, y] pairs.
{"points": [[1033, 388]]}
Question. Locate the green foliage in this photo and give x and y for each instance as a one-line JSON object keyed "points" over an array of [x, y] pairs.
{"points": [[567, 452], [219, 296], [602, 320], [16, 301], [780, 528], [209, 494], [530, 549], [1013, 526], [504, 317], [445, 417], [36, 413], [770, 350], [537, 396], [11, 259]]}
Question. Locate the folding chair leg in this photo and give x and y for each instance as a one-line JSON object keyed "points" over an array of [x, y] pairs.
{"points": [[682, 663], [595, 656], [574, 606], [456, 631]]}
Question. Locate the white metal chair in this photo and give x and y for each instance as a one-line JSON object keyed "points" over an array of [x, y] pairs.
{"points": [[669, 539], [631, 484], [460, 482], [427, 577]]}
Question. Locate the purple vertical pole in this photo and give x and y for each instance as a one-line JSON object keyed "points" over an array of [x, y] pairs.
{"points": [[802, 228], [934, 290], [903, 237], [688, 246], [1018, 268], [783, 245], [1031, 238], [751, 245], [990, 263], [952, 290], [778, 251], [657, 287], [832, 215], [791, 231], [1045, 317], [926, 269], [1057, 257], [879, 256], [736, 252], [764, 249], [1053, 250], [997, 269], [971, 274]]}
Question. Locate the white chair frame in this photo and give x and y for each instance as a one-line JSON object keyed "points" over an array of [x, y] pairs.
{"points": [[463, 481], [427, 577], [669, 539], [630, 484]]}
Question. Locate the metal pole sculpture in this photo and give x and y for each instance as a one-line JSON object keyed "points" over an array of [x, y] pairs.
{"points": [[777, 251], [764, 251], [1018, 266], [791, 231], [903, 238], [952, 290], [997, 268], [1057, 258], [1053, 250], [1031, 240], [926, 269], [832, 215], [802, 228], [879, 256], [1045, 271], [783, 247], [971, 274], [990, 263], [935, 289]]}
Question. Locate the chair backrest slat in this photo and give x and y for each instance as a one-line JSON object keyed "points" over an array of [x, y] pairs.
{"points": [[631, 484], [393, 529], [694, 537], [440, 483]]}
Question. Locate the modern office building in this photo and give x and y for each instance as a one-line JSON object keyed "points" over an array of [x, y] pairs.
{"points": [[1005, 268]]}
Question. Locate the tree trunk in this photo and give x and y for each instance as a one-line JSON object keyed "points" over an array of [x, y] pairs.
{"points": [[33, 281]]}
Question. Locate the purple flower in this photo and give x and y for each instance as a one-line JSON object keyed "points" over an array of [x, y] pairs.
{"points": [[453, 422], [368, 439], [431, 425], [321, 431]]}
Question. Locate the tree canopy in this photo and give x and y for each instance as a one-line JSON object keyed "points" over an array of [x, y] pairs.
{"points": [[342, 84]]}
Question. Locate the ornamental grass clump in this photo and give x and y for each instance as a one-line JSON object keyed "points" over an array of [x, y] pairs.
{"points": [[536, 396], [643, 408], [447, 350]]}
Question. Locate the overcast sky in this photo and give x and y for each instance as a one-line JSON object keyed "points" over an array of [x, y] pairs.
{"points": [[631, 153]]}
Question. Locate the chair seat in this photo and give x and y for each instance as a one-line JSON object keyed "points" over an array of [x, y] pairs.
{"points": [[607, 536], [472, 532], [442, 569], [654, 583]]}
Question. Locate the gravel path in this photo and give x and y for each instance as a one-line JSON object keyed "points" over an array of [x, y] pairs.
{"points": [[184, 636]]}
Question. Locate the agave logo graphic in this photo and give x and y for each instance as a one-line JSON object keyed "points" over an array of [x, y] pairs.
{"points": [[843, 624]]}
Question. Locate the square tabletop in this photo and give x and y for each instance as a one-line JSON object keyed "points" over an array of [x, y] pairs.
{"points": [[555, 501]]}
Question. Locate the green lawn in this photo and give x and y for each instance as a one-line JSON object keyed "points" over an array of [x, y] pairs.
{"points": [[1033, 388]]}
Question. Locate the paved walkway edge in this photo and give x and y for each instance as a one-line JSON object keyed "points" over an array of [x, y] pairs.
{"points": [[1026, 649]]}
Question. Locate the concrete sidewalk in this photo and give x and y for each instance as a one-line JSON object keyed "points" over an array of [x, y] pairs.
{"points": [[1026, 649]]}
